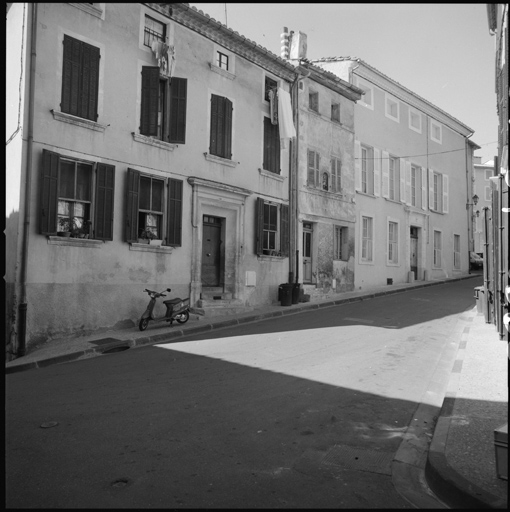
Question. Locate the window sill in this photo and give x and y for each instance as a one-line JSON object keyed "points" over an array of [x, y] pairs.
{"points": [[366, 262], [151, 141], [326, 193], [220, 160], [273, 175], [75, 242], [165, 249], [222, 72], [267, 257], [78, 121], [365, 194]]}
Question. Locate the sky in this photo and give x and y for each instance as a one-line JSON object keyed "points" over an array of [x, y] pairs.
{"points": [[442, 52]]}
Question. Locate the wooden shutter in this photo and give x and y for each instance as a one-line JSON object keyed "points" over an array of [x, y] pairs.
{"points": [[377, 172], [284, 229], [89, 81], [259, 226], [150, 101], [49, 193], [408, 182], [311, 168], [317, 169], [70, 76], [385, 174], [174, 232], [80, 78], [227, 153], [431, 189], [445, 193], [423, 188], [216, 125], [271, 147], [357, 164], [333, 174], [178, 101], [105, 193], [402, 170], [132, 193]]}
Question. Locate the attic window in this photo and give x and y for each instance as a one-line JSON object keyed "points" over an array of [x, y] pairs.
{"points": [[313, 101], [222, 61], [154, 31], [270, 84]]}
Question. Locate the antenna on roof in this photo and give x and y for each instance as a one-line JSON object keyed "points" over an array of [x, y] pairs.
{"points": [[226, 23]]}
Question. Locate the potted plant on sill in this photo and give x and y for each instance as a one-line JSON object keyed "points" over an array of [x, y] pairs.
{"points": [[146, 236], [65, 226], [81, 232]]}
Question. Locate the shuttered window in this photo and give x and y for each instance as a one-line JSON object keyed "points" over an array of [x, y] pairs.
{"points": [[174, 212], [68, 192], [145, 208], [80, 79], [271, 147], [221, 127], [164, 104], [336, 175], [313, 168], [271, 228]]}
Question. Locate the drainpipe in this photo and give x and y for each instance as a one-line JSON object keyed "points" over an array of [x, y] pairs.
{"points": [[293, 179], [21, 345], [469, 193]]}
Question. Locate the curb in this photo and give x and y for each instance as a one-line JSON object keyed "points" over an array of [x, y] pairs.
{"points": [[449, 485], [171, 336]]}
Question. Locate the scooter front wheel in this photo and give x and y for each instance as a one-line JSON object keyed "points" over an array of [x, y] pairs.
{"points": [[183, 317], [142, 325]]}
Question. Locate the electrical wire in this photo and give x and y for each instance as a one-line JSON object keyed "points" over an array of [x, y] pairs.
{"points": [[426, 154], [20, 80]]}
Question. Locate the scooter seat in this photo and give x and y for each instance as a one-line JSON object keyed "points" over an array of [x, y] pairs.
{"points": [[172, 301]]}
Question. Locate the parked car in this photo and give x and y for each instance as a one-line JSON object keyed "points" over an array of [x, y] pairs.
{"points": [[475, 261]]}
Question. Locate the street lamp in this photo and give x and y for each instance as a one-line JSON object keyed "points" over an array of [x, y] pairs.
{"points": [[474, 203]]}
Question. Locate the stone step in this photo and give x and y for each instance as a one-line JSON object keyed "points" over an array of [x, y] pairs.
{"points": [[219, 303], [220, 311], [215, 295]]}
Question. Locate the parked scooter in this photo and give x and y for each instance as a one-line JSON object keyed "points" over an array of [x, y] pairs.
{"points": [[176, 309]]}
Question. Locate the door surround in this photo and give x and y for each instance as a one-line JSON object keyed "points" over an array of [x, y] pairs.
{"points": [[227, 202]]}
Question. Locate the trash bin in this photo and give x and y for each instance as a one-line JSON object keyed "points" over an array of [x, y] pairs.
{"points": [[479, 298], [501, 445], [296, 291], [285, 294]]}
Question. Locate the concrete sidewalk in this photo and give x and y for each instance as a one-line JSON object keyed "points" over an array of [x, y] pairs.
{"points": [[461, 467]]}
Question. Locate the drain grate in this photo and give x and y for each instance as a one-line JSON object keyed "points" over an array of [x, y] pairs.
{"points": [[359, 459], [104, 341]]}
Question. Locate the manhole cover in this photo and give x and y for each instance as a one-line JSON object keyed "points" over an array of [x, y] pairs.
{"points": [[49, 424], [359, 459], [104, 341]]}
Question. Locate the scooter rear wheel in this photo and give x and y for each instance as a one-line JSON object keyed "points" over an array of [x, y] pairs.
{"points": [[183, 317], [142, 325]]}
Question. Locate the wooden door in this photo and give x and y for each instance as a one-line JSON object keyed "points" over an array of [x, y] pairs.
{"points": [[211, 251], [307, 252]]}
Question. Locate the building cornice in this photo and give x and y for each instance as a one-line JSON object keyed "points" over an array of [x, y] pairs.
{"points": [[389, 85], [199, 22]]}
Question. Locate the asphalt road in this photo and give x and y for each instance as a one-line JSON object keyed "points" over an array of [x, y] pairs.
{"points": [[302, 411]]}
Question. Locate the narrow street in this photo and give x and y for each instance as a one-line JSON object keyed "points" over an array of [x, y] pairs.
{"points": [[302, 411]]}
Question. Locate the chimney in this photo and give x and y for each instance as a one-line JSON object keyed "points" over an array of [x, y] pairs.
{"points": [[477, 159], [285, 48], [298, 46]]}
